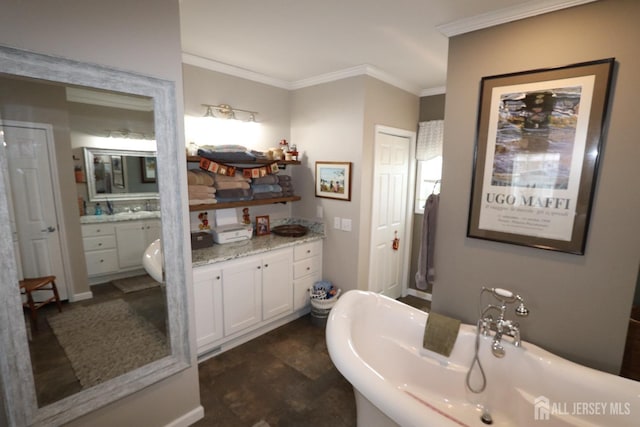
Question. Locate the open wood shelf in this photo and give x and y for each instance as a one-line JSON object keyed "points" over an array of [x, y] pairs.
{"points": [[248, 162], [239, 204], [227, 205]]}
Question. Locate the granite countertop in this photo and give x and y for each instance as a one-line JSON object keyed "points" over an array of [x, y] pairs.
{"points": [[122, 216], [256, 245]]}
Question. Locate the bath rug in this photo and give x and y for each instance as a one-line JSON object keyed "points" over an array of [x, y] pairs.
{"points": [[261, 423], [440, 333], [134, 284], [103, 341]]}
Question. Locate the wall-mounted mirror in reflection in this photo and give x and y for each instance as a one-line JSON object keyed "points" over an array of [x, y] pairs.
{"points": [[120, 174], [111, 333]]}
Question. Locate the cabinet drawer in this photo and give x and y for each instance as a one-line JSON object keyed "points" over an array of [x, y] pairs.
{"points": [[306, 267], [307, 250], [92, 230], [100, 242], [101, 262]]}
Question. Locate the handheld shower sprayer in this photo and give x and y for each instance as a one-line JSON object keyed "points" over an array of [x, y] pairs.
{"points": [[505, 296]]}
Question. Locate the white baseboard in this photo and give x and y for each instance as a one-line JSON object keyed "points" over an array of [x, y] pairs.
{"points": [[189, 418], [81, 296], [419, 294]]}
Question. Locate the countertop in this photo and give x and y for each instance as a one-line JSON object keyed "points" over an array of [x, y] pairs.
{"points": [[256, 245], [122, 216]]}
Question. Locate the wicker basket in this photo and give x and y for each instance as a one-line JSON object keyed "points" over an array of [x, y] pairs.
{"points": [[319, 301]]}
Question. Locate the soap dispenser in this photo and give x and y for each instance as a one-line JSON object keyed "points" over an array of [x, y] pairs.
{"points": [[98, 209]]}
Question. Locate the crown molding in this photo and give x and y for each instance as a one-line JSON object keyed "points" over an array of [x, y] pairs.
{"points": [[108, 99], [509, 14], [433, 91], [209, 64], [359, 70]]}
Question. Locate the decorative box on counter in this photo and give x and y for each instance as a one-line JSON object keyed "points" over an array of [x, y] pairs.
{"points": [[201, 239]]}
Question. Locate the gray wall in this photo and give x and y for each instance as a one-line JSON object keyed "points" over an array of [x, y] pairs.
{"points": [[335, 122], [144, 37], [575, 301]]}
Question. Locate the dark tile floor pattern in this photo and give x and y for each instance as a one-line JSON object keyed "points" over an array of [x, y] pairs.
{"points": [[284, 378]]}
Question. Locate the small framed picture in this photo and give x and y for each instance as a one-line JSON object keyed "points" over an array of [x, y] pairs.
{"points": [[262, 225], [333, 180]]}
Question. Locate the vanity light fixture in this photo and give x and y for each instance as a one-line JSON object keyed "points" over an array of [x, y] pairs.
{"points": [[225, 111]]}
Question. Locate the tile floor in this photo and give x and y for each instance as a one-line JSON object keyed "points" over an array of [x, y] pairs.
{"points": [[283, 378]]}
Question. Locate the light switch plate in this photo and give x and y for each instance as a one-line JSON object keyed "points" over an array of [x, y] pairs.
{"points": [[336, 223], [346, 224]]}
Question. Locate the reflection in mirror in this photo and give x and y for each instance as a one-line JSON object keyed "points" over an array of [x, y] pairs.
{"points": [[114, 334], [120, 174]]}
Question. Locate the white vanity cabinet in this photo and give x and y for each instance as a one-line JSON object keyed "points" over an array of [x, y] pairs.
{"points": [[256, 288], [240, 299], [100, 250], [132, 238], [307, 269], [207, 292], [115, 249]]}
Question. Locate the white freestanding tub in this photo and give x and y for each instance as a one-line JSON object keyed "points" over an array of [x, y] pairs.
{"points": [[376, 343]]}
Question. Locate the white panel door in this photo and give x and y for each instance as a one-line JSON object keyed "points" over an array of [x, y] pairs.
{"points": [[207, 294], [390, 188], [34, 207], [277, 284]]}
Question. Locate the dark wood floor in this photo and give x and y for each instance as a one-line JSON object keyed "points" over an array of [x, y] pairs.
{"points": [[54, 377]]}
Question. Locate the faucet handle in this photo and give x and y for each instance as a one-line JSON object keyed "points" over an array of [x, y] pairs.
{"points": [[521, 310]]}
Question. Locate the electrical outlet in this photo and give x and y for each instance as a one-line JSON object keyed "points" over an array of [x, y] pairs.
{"points": [[346, 224], [319, 211], [336, 223]]}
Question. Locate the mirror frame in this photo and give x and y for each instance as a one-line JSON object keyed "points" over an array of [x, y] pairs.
{"points": [[90, 175], [19, 402]]}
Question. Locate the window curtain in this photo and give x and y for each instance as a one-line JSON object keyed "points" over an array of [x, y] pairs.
{"points": [[429, 143]]}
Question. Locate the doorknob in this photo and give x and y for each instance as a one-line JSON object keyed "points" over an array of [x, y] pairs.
{"points": [[50, 229]]}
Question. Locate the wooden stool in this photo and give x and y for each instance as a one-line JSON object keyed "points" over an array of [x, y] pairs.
{"points": [[39, 284]]}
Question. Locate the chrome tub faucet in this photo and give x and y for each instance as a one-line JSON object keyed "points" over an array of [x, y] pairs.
{"points": [[500, 325]]}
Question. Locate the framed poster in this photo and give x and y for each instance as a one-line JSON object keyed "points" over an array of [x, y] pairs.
{"points": [[538, 144], [148, 167], [118, 172], [333, 180]]}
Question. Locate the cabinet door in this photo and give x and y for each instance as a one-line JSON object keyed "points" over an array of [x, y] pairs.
{"points": [[130, 237], [242, 294], [207, 292], [277, 284], [152, 231]]}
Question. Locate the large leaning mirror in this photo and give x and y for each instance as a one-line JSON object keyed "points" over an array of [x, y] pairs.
{"points": [[155, 319]]}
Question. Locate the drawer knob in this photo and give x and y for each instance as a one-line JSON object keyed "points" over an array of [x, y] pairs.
{"points": [[99, 244], [308, 251], [98, 230], [101, 260], [308, 268], [266, 265], [217, 277]]}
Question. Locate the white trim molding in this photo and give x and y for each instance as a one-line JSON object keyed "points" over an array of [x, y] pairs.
{"points": [[509, 14]]}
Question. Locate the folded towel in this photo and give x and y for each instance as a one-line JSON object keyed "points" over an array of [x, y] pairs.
{"points": [[267, 195], [284, 178], [199, 177], [202, 201], [236, 178], [440, 333], [267, 179], [231, 185], [265, 188], [201, 188], [234, 195]]}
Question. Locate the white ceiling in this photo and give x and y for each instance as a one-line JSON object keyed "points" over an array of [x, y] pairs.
{"points": [[296, 43]]}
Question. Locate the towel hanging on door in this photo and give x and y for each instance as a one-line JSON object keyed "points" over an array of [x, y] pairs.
{"points": [[426, 273]]}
